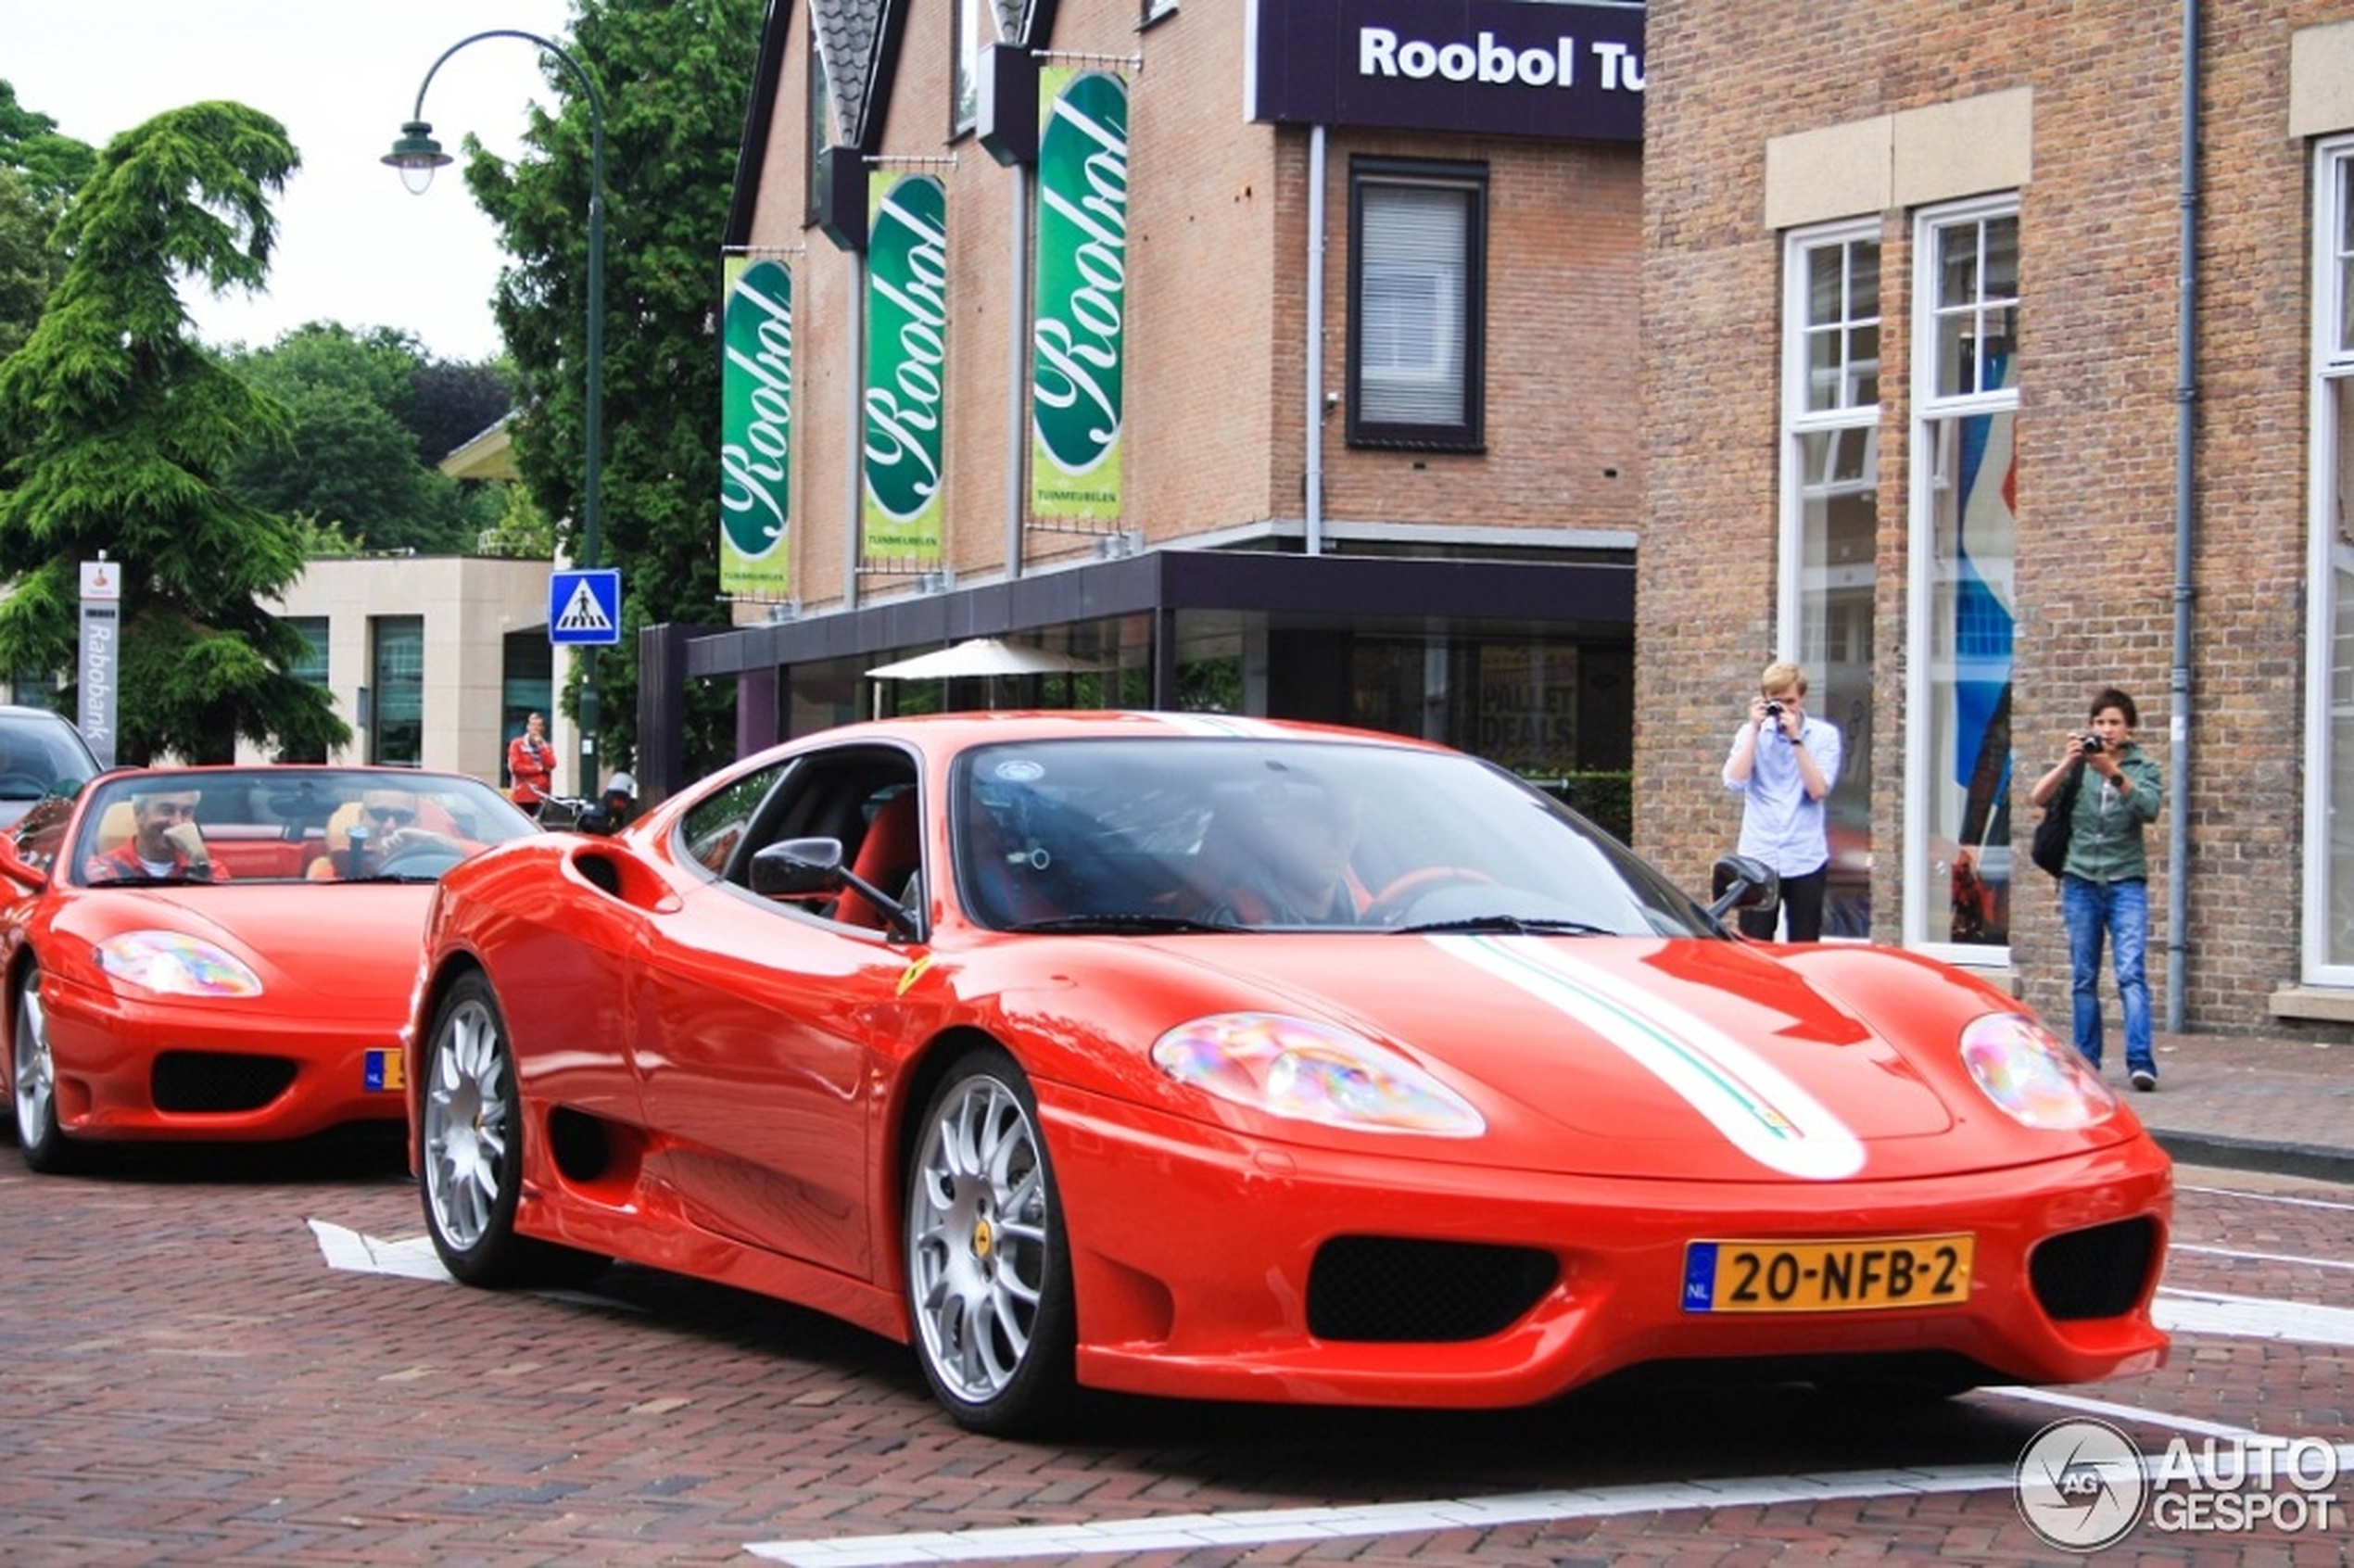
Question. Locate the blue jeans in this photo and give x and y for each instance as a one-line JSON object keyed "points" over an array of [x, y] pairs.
{"points": [[2121, 911]]}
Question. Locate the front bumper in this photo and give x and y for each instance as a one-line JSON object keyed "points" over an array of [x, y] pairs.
{"points": [[1193, 1250], [174, 1070]]}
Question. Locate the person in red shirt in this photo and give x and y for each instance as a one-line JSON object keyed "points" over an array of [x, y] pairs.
{"points": [[164, 842], [531, 762]]}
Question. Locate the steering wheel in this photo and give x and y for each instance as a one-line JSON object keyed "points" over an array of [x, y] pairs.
{"points": [[22, 787], [425, 860], [1389, 906]]}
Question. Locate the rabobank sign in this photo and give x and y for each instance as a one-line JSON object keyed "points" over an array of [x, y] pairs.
{"points": [[1563, 69]]}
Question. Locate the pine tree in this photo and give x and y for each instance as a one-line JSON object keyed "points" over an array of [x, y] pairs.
{"points": [[117, 429]]}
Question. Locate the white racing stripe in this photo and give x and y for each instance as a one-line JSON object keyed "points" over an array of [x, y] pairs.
{"points": [[1758, 1107]]}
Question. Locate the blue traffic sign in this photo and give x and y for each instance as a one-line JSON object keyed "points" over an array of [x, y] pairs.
{"points": [[584, 606]]}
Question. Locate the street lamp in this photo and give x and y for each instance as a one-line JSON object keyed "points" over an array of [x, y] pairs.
{"points": [[417, 154]]}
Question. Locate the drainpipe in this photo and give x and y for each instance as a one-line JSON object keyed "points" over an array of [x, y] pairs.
{"points": [[1017, 368], [1316, 340], [857, 444], [2186, 532]]}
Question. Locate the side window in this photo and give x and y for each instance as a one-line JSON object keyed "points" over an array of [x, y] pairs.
{"points": [[867, 801], [1417, 304], [711, 829]]}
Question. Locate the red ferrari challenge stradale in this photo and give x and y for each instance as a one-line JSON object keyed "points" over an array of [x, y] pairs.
{"points": [[208, 954], [1221, 1059]]}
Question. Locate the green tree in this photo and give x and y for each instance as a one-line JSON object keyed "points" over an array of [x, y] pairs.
{"points": [[673, 75], [39, 171], [54, 165], [117, 431], [358, 464]]}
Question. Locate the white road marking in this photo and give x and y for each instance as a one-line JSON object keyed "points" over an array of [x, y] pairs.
{"points": [[2179, 1312], [348, 1249], [2269, 1198], [2264, 1257], [2249, 1317], [1184, 1532], [2110, 1409]]}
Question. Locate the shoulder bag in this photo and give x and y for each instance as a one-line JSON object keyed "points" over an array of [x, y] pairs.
{"points": [[2050, 849]]}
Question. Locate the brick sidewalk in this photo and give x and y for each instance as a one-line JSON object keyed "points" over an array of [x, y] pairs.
{"points": [[2249, 1102]]}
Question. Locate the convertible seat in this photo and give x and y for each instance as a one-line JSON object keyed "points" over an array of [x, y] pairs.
{"points": [[890, 854]]}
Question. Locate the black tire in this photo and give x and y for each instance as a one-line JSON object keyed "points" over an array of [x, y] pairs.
{"points": [[988, 1260], [471, 1133], [32, 1082]]}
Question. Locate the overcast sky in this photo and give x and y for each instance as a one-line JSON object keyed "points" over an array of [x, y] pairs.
{"points": [[353, 246]]}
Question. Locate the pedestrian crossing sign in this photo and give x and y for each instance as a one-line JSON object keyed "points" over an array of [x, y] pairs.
{"points": [[584, 606]]}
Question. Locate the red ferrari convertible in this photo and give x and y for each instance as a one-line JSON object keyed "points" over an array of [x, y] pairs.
{"points": [[1214, 1057], [222, 953]]}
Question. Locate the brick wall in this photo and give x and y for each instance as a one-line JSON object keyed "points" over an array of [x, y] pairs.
{"points": [[2097, 432]]}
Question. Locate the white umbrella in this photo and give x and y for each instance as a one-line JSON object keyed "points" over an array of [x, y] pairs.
{"points": [[981, 656]]}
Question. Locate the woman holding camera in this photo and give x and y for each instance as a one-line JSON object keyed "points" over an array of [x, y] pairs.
{"points": [[2105, 889]]}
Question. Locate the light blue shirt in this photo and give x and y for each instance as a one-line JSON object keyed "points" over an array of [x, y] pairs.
{"points": [[1781, 824]]}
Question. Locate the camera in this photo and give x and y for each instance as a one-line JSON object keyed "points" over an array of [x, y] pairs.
{"points": [[2092, 745], [1773, 709]]}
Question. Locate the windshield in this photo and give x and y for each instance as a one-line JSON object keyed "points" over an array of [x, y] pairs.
{"points": [[1216, 833], [41, 754], [284, 824]]}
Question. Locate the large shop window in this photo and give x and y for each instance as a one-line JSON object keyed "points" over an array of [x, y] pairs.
{"points": [[2328, 914], [1830, 524], [1417, 237], [1963, 609]]}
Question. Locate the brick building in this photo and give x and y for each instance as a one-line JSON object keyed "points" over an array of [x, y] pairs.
{"points": [[1348, 290], [1872, 333], [1929, 407]]}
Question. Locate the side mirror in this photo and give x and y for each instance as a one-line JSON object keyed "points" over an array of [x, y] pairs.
{"points": [[801, 867], [798, 867], [1740, 881]]}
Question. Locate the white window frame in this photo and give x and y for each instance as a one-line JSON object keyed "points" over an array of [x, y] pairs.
{"points": [[2331, 361], [1800, 422], [1925, 886]]}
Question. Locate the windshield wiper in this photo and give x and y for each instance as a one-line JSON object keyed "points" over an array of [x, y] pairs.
{"points": [[1519, 925], [1136, 921]]}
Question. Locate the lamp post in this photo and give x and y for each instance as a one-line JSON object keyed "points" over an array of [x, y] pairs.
{"points": [[417, 154]]}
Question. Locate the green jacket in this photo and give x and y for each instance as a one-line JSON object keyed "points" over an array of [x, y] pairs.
{"points": [[2105, 830]]}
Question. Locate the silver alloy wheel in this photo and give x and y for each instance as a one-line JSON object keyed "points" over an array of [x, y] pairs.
{"points": [[34, 1073], [977, 1239], [469, 1124]]}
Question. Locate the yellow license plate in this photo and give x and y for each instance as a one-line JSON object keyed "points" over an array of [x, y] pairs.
{"points": [[1846, 1276], [384, 1070]]}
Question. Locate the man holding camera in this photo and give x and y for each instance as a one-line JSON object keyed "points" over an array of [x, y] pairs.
{"points": [[1783, 764]]}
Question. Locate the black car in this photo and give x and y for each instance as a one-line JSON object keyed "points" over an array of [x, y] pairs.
{"points": [[41, 756]]}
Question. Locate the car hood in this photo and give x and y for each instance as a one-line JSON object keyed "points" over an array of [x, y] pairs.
{"points": [[1688, 1058], [318, 945]]}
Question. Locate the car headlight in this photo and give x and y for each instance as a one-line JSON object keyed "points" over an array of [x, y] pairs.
{"points": [[2036, 1078], [172, 964], [1307, 1071]]}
